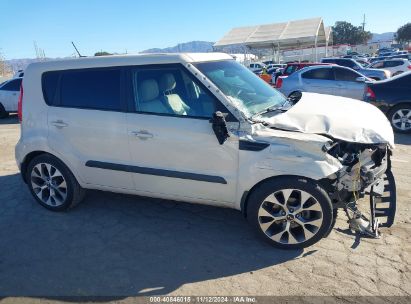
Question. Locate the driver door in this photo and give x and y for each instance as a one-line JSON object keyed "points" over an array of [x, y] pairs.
{"points": [[174, 151]]}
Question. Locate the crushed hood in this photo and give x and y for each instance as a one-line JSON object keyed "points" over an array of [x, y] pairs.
{"points": [[339, 117]]}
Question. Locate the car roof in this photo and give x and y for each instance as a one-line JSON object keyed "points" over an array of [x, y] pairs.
{"points": [[124, 60], [307, 63]]}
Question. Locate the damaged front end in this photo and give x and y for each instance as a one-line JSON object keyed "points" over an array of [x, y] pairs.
{"points": [[366, 172]]}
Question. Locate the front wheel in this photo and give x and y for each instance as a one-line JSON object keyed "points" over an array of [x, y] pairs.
{"points": [[3, 113], [290, 212], [52, 184]]}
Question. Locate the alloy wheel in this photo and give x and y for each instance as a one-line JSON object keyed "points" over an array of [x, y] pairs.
{"points": [[401, 119], [290, 216], [49, 184]]}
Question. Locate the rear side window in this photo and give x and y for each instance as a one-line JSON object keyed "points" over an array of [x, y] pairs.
{"points": [[346, 63], [49, 83], [13, 85], [345, 74], [393, 63], [319, 73], [91, 89]]}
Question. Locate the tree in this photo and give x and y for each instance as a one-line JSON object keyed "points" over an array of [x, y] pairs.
{"points": [[403, 34], [346, 33], [102, 53]]}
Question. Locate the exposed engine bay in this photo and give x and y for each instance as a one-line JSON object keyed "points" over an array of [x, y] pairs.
{"points": [[366, 172]]}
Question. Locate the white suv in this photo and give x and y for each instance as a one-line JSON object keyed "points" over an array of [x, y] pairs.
{"points": [[9, 94], [201, 128], [395, 66]]}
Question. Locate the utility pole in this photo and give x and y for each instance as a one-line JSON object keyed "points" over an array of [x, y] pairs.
{"points": [[363, 23]]}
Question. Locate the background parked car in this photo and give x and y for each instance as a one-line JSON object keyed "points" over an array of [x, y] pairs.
{"points": [[395, 66], [9, 95], [293, 67], [376, 74], [256, 66], [331, 80], [393, 97]]}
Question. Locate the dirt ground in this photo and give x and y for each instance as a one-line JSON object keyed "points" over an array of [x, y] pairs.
{"points": [[123, 246]]}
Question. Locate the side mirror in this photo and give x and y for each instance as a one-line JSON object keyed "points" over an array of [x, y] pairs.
{"points": [[360, 79], [295, 97], [220, 127]]}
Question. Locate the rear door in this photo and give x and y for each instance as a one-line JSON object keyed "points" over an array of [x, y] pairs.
{"points": [[348, 86], [87, 123], [174, 151], [9, 95], [319, 80]]}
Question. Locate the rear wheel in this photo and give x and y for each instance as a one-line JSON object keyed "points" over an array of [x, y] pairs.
{"points": [[400, 118], [52, 184], [291, 212], [3, 113]]}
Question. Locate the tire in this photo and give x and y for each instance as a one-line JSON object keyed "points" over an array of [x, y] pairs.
{"points": [[294, 223], [52, 184], [398, 123], [3, 113]]}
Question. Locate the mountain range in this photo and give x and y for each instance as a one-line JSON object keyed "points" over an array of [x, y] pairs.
{"points": [[192, 46]]}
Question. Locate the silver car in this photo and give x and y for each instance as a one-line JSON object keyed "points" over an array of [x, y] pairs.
{"points": [[331, 80]]}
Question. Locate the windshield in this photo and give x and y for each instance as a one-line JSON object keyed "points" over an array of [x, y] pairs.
{"points": [[246, 90]]}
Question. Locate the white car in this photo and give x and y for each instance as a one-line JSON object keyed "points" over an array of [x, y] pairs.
{"points": [[201, 128], [9, 95], [395, 66], [256, 66]]}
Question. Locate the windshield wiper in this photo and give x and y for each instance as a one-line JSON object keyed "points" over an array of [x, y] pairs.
{"points": [[280, 108]]}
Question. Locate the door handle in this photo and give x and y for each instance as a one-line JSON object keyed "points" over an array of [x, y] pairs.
{"points": [[59, 124], [142, 134]]}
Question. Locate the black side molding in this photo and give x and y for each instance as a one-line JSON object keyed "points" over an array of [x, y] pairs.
{"points": [[252, 145], [157, 172]]}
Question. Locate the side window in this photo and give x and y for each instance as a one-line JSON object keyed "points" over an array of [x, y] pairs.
{"points": [[345, 75], [393, 63], [92, 89], [290, 69], [319, 73], [13, 85], [49, 84], [402, 82], [346, 63], [171, 90], [378, 65]]}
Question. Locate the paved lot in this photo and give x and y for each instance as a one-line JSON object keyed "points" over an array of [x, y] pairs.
{"points": [[117, 245]]}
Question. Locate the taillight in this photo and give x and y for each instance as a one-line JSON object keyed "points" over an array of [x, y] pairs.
{"points": [[20, 104], [279, 82], [409, 67], [369, 94]]}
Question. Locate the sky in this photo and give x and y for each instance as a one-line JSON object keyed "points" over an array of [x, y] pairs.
{"points": [[135, 25]]}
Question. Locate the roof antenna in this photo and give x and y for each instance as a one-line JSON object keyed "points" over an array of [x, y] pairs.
{"points": [[77, 50]]}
